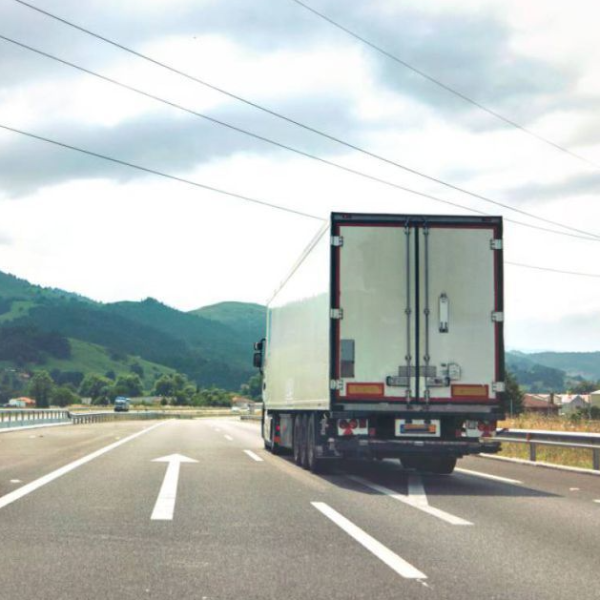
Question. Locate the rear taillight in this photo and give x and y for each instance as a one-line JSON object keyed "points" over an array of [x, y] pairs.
{"points": [[487, 428]]}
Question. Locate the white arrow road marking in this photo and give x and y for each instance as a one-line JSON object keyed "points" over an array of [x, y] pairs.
{"points": [[253, 456], [165, 503], [488, 476], [391, 559], [416, 498], [38, 483]]}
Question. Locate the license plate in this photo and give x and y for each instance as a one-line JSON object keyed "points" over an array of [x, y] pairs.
{"points": [[417, 427]]}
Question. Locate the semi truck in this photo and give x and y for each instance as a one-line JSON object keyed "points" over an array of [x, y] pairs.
{"points": [[386, 341]]}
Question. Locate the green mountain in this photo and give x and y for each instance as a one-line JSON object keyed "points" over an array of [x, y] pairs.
{"points": [[49, 328], [575, 364], [533, 376], [248, 320]]}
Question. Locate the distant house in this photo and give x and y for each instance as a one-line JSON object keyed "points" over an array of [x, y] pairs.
{"points": [[595, 398], [569, 403], [540, 404], [21, 402]]}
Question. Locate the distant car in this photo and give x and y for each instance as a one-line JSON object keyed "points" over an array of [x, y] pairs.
{"points": [[121, 404]]}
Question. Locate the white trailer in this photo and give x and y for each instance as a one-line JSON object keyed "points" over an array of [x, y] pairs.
{"points": [[386, 340]]}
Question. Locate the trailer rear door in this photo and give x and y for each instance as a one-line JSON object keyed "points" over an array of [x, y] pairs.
{"points": [[421, 310]]}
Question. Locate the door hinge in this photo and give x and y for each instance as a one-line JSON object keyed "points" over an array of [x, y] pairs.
{"points": [[336, 384], [496, 244], [337, 241], [497, 317], [336, 313], [498, 386]]}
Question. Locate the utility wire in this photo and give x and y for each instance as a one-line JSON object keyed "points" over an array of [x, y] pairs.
{"points": [[279, 144], [161, 174], [304, 126], [549, 269], [446, 87], [226, 193]]}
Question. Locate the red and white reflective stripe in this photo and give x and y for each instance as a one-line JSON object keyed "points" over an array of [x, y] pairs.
{"points": [[347, 427]]}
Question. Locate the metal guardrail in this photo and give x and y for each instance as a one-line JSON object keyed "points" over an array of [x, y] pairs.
{"points": [[23, 417], [15, 418], [250, 418], [561, 439], [103, 417]]}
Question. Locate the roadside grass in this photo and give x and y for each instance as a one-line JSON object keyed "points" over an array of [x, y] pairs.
{"points": [[559, 456]]}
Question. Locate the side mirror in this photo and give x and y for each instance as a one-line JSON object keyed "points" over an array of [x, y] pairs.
{"points": [[258, 360], [258, 346]]}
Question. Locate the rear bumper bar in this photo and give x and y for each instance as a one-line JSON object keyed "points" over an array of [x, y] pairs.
{"points": [[355, 446]]}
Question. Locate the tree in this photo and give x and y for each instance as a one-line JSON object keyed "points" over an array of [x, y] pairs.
{"points": [[253, 388], [40, 388], [96, 387], [128, 384], [212, 397], [164, 386], [64, 395], [513, 396], [137, 368]]}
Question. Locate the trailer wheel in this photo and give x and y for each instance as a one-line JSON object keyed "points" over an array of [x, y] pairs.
{"points": [[443, 466], [314, 463], [303, 441], [430, 464], [297, 440]]}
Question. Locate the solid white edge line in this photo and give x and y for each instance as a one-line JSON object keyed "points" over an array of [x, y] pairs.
{"points": [[228, 437], [391, 559], [414, 502], [38, 483], [488, 476], [253, 456]]}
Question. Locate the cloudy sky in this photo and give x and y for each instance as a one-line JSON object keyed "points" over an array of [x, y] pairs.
{"points": [[113, 233]]}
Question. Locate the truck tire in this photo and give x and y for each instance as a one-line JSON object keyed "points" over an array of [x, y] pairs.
{"points": [[313, 463], [297, 440], [303, 440], [442, 466], [430, 464]]}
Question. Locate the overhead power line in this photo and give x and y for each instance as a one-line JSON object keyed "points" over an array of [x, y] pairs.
{"points": [[161, 173], [220, 191], [304, 126], [279, 144], [551, 270], [447, 87]]}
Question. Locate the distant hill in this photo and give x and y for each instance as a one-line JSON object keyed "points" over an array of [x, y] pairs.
{"points": [[243, 317], [575, 364], [212, 346], [533, 376]]}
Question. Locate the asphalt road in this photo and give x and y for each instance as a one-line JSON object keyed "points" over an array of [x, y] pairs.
{"points": [[77, 503]]}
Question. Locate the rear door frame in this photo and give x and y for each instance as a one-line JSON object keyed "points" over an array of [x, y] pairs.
{"points": [[418, 222]]}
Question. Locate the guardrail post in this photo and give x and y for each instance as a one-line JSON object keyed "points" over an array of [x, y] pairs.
{"points": [[532, 451], [596, 458]]}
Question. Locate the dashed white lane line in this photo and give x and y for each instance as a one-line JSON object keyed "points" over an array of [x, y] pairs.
{"points": [[597, 501], [253, 456], [217, 429], [38, 483], [391, 559], [416, 498], [488, 476], [228, 437], [15, 481]]}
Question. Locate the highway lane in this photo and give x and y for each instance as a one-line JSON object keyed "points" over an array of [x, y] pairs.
{"points": [[247, 528]]}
